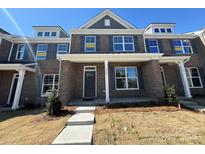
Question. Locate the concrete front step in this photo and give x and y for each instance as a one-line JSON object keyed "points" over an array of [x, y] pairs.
{"points": [[194, 106], [75, 135], [81, 119], [85, 109]]}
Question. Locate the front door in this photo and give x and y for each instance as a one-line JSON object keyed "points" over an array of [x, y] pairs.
{"points": [[89, 82], [13, 89]]}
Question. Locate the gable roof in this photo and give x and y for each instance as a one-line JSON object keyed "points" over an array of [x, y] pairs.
{"points": [[104, 13]]}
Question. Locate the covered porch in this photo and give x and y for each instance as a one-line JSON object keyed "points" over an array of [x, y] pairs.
{"points": [[12, 79], [150, 81]]}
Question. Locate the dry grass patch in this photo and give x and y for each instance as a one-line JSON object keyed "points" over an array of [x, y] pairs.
{"points": [[31, 126], [149, 125]]}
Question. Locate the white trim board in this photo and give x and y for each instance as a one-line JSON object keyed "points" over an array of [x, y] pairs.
{"points": [[104, 13]]}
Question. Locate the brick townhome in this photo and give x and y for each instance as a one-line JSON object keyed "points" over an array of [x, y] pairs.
{"points": [[105, 58]]}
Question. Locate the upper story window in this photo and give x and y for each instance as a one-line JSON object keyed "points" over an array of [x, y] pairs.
{"points": [[182, 46], [162, 30], [123, 43], [20, 52], [62, 48], [156, 30], [193, 77], [152, 46], [126, 78], [50, 83], [90, 44], [41, 51], [107, 22], [53, 33], [40, 34]]}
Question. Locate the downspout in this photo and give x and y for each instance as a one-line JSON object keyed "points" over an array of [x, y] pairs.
{"points": [[59, 73], [12, 45]]}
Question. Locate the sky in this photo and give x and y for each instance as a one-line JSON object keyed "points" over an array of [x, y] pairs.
{"points": [[186, 20]]}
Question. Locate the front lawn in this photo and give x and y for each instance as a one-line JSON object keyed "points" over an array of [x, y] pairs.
{"points": [[31, 126], [148, 125]]}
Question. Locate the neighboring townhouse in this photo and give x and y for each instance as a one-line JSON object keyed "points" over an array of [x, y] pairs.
{"points": [[105, 58], [28, 65]]}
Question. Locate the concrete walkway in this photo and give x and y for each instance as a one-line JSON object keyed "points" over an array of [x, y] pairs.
{"points": [[193, 105], [79, 127]]}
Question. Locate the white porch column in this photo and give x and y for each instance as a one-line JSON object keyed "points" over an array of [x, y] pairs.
{"points": [[18, 89], [184, 80], [107, 95]]}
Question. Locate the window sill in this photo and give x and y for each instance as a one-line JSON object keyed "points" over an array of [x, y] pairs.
{"points": [[127, 89]]}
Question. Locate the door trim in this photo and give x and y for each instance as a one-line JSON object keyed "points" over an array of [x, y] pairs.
{"points": [[11, 88], [84, 70]]}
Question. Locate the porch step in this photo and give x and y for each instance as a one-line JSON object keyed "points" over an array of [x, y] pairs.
{"points": [[85, 109], [193, 105], [81, 119], [75, 135]]}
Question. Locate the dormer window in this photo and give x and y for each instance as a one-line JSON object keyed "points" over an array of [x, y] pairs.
{"points": [[169, 30], [53, 34], [47, 34], [107, 22], [162, 30], [40, 34], [156, 30]]}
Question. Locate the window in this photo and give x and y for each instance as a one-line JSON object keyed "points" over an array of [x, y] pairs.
{"points": [[156, 30], [47, 34], [182, 46], [20, 52], [169, 30], [53, 33], [50, 83], [90, 44], [123, 43], [126, 78], [40, 34], [162, 30], [153, 46], [41, 51], [193, 77], [107, 22], [62, 48]]}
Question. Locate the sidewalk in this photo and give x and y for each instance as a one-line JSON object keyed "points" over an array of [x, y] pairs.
{"points": [[79, 127]]}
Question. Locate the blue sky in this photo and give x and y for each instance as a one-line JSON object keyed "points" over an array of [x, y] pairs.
{"points": [[186, 19]]}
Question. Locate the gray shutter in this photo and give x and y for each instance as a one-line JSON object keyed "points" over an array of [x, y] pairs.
{"points": [[136, 43], [202, 75], [111, 43], [140, 78], [82, 42], [147, 45], [160, 44], [172, 47], [194, 47], [98, 43]]}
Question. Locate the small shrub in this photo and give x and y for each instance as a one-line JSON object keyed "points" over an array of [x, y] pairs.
{"points": [[171, 96], [53, 104]]}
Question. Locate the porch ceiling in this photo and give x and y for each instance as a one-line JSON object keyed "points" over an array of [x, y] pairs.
{"points": [[16, 67], [116, 57], [122, 57]]}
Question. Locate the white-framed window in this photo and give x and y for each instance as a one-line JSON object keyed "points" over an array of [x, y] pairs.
{"points": [[49, 84], [156, 30], [62, 48], [126, 78], [107, 22], [123, 43], [41, 51], [193, 77], [182, 46], [162, 30], [90, 44], [20, 52], [169, 30], [47, 34], [153, 46]]}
